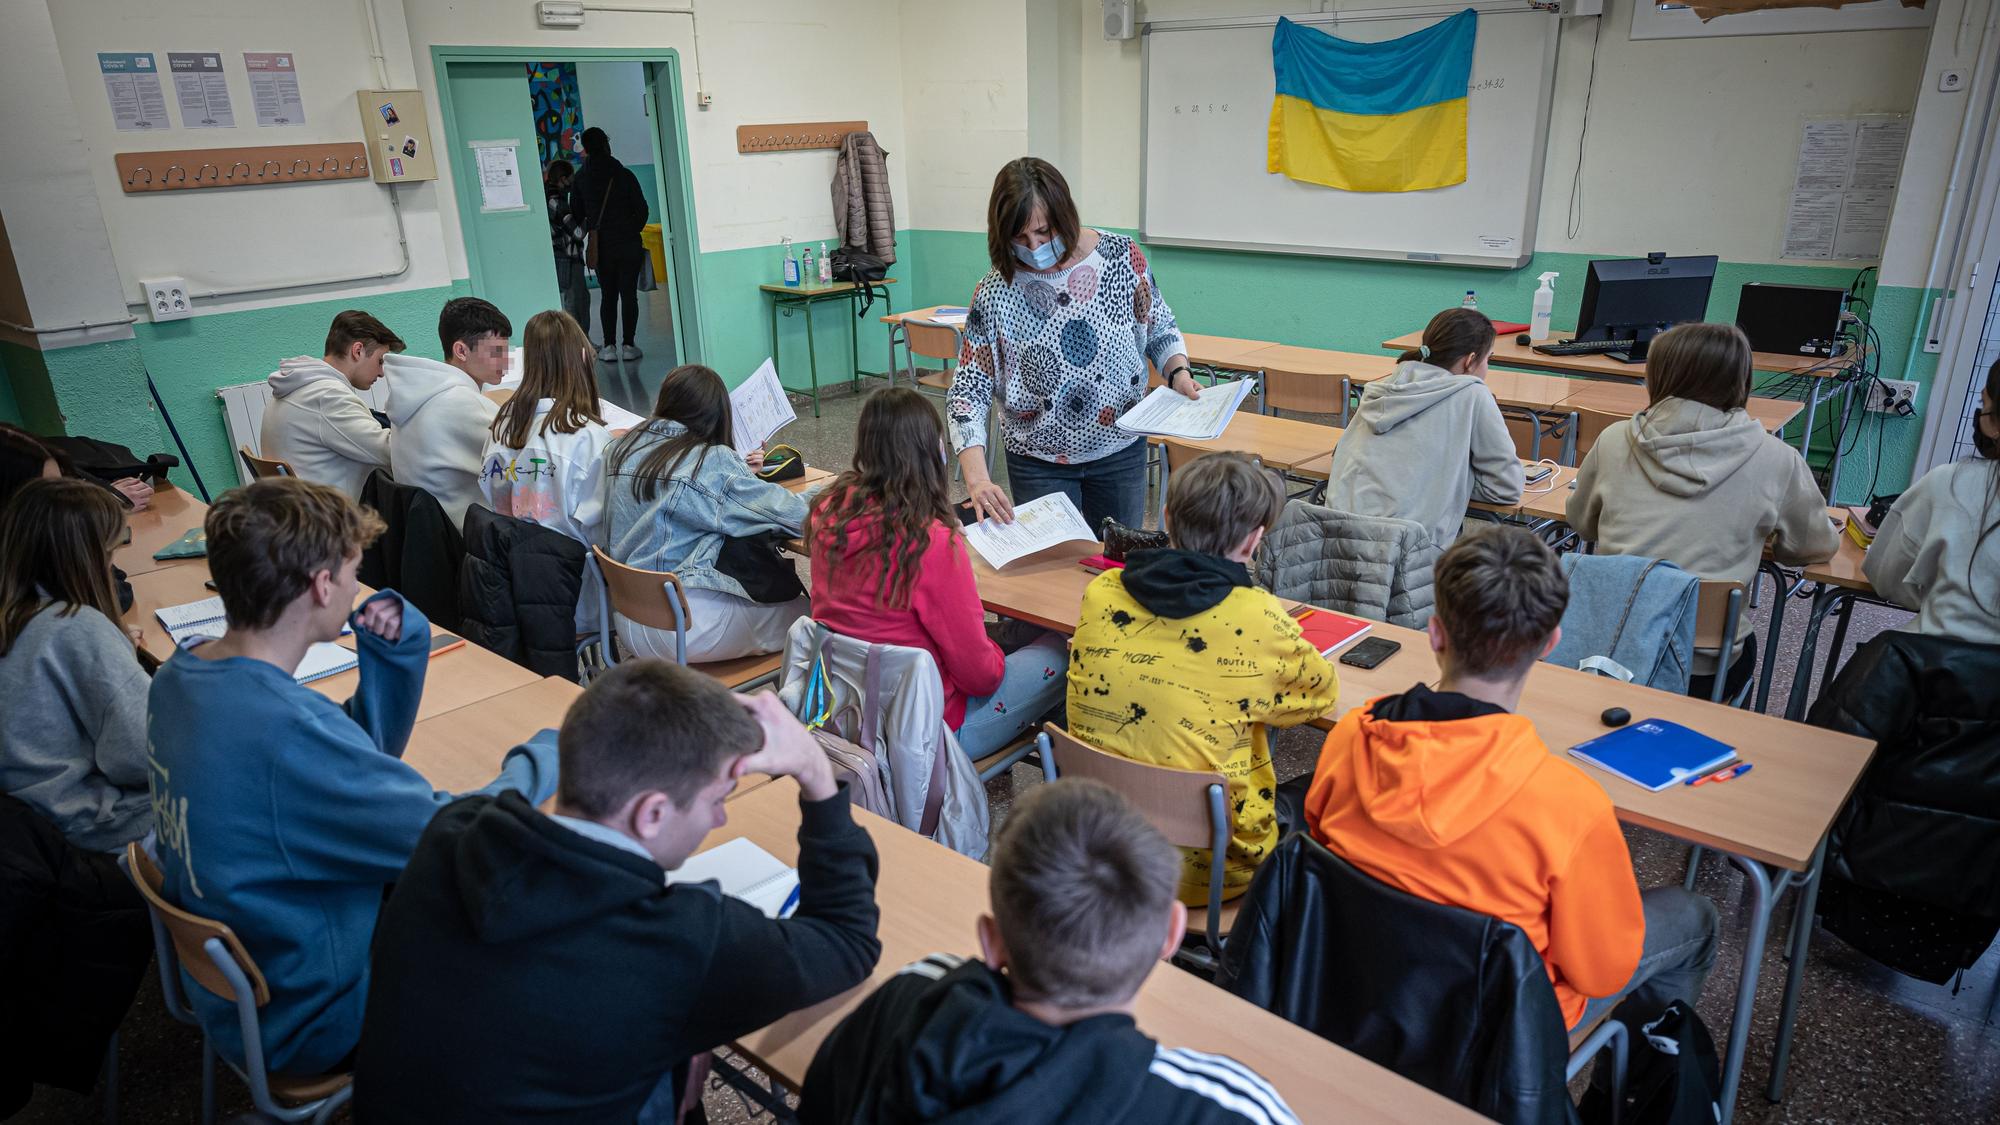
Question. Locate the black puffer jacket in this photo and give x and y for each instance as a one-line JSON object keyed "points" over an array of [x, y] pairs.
{"points": [[518, 589], [1457, 1001], [418, 556], [1913, 862]]}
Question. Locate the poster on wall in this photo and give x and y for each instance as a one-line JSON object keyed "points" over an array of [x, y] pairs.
{"points": [[1844, 185], [499, 175], [132, 83], [201, 89], [274, 88]]}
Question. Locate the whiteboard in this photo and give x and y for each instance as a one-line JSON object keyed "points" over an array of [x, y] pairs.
{"points": [[1207, 106], [1652, 19]]}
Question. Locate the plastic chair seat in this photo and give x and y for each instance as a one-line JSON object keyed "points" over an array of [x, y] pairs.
{"points": [[936, 380], [298, 1091]]}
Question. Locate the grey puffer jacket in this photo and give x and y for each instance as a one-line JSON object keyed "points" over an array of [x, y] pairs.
{"points": [[864, 215], [1376, 567]]}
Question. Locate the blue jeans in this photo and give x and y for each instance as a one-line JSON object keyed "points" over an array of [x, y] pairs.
{"points": [[1678, 952], [1113, 485], [1033, 684]]}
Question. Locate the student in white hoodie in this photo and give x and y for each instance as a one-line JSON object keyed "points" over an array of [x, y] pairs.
{"points": [[1695, 480], [1937, 551], [1429, 439], [545, 460], [439, 416], [317, 422]]}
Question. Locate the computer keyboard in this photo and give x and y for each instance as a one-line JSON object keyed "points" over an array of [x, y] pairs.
{"points": [[1584, 347]]}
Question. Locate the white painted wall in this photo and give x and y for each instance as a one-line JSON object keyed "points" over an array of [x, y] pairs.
{"points": [[614, 100], [1954, 44], [965, 85]]}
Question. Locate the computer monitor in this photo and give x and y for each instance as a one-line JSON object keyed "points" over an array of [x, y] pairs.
{"points": [[1639, 298]]}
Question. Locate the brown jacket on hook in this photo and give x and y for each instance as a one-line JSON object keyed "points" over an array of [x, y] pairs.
{"points": [[864, 215]]}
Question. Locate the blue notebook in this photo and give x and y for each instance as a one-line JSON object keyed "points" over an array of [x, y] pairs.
{"points": [[1654, 753]]}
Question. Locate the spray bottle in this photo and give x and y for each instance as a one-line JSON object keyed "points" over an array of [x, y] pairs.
{"points": [[807, 271], [791, 264], [825, 266], [1545, 304]]}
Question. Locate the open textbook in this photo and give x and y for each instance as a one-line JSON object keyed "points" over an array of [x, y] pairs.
{"points": [[1038, 524], [746, 872], [759, 408], [205, 619], [1168, 413]]}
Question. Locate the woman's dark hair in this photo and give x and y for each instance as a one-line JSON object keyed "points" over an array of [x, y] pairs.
{"points": [[898, 477], [1021, 185], [595, 143], [555, 364], [1705, 363], [695, 397], [1451, 336], [56, 539], [22, 459]]}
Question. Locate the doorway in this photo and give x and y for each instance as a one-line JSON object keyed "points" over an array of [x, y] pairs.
{"points": [[540, 103]]}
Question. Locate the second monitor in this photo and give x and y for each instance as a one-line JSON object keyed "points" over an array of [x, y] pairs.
{"points": [[1636, 299]]}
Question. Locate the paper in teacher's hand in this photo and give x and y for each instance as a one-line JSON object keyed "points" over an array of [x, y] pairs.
{"points": [[759, 409], [1168, 413], [1038, 525]]}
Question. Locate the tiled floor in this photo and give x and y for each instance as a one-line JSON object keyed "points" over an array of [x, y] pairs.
{"points": [[1871, 1045]]}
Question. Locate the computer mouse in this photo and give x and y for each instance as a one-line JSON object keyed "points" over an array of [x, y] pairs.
{"points": [[1522, 339], [1616, 716]]}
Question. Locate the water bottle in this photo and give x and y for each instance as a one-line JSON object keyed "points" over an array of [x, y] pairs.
{"points": [[825, 266], [1471, 301]]}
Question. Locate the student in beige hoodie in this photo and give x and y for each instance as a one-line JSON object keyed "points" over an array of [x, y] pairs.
{"points": [[1695, 480]]}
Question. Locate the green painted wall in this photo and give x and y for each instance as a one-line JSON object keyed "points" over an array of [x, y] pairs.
{"points": [[649, 184], [738, 317], [1355, 305]]}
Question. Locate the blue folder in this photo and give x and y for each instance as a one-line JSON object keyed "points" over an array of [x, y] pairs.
{"points": [[1654, 753]]}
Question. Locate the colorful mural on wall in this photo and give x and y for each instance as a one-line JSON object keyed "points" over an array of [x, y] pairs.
{"points": [[558, 111]]}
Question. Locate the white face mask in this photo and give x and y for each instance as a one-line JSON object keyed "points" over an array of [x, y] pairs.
{"points": [[1041, 257]]}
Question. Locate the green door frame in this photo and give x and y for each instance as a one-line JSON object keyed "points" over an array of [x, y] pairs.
{"points": [[683, 244]]}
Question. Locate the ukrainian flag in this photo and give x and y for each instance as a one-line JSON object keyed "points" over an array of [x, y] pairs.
{"points": [[1372, 116]]}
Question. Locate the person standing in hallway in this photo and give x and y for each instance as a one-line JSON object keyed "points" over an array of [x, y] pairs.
{"points": [[566, 240], [606, 201]]}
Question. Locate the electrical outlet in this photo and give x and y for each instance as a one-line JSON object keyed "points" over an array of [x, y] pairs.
{"points": [[1892, 396], [168, 298]]}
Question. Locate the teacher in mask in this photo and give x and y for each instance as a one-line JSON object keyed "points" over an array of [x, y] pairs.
{"points": [[1058, 340]]}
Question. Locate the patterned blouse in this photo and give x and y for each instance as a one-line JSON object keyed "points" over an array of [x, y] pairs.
{"points": [[1065, 352]]}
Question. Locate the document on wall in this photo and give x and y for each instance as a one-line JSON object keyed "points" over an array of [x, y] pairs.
{"points": [[1845, 186], [274, 88], [1038, 525], [758, 409], [499, 175], [201, 89], [132, 83], [1168, 413]]}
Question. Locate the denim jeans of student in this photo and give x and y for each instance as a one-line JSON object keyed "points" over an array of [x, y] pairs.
{"points": [[1113, 485], [1031, 687], [1678, 952]]}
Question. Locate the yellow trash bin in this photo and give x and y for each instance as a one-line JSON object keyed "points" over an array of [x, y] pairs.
{"points": [[655, 239]]}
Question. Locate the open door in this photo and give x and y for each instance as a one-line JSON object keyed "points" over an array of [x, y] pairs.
{"points": [[507, 251]]}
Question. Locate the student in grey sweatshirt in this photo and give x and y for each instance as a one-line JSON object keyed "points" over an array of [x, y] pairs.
{"points": [[1695, 480], [73, 728], [1429, 439], [1938, 551]]}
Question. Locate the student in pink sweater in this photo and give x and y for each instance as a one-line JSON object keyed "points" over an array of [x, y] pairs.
{"points": [[889, 566]]}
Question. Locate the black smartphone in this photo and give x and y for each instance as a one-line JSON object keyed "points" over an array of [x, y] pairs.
{"points": [[210, 584], [1538, 473], [1370, 652]]}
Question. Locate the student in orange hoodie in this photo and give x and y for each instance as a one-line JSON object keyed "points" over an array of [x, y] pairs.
{"points": [[1452, 797]]}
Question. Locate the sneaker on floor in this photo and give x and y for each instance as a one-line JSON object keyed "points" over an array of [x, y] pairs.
{"points": [[607, 354], [630, 352]]}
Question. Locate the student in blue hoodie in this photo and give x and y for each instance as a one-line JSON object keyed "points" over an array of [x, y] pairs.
{"points": [[280, 812]]}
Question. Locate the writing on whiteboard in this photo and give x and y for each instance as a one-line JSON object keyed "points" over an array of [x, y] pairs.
{"points": [[1202, 107]]}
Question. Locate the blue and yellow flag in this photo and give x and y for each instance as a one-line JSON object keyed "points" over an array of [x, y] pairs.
{"points": [[1372, 116]]}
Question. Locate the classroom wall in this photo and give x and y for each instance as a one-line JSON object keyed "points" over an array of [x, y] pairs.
{"points": [[614, 100]]}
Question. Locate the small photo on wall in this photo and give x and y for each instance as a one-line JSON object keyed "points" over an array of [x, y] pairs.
{"points": [[388, 112], [410, 147], [395, 166]]}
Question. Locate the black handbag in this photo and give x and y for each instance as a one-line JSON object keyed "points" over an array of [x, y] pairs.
{"points": [[760, 565]]}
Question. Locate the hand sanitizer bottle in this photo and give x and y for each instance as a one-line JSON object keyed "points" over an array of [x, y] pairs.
{"points": [[791, 265], [1545, 304], [825, 266], [1471, 301]]}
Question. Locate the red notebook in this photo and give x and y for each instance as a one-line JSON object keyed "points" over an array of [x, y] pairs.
{"points": [[1508, 327], [1329, 631]]}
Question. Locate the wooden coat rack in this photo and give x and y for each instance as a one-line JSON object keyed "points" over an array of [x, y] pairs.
{"points": [[190, 168], [796, 136]]}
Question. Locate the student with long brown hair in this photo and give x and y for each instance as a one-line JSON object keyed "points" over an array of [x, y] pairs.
{"points": [[545, 461], [680, 498], [73, 730], [889, 567]]}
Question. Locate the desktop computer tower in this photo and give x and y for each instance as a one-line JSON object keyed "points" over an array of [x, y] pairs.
{"points": [[1791, 319]]}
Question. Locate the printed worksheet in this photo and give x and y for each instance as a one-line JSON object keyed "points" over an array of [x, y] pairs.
{"points": [[1168, 413], [759, 408], [1038, 524]]}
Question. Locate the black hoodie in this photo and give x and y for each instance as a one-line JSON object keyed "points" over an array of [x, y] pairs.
{"points": [[942, 1042], [523, 971]]}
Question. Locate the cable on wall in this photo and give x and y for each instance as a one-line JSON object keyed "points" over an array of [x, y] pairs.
{"points": [[694, 24], [1583, 134]]}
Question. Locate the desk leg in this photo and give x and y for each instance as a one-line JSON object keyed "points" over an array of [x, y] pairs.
{"points": [[1758, 879], [1781, 592], [1839, 639], [1346, 389], [1569, 439], [1802, 929], [1812, 409], [1263, 392], [776, 303], [1825, 601], [812, 357]]}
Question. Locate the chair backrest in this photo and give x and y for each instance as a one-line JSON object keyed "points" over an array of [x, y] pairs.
{"points": [[933, 341], [264, 467], [1180, 455], [191, 933], [1712, 612], [1306, 394], [641, 595], [1175, 801]]}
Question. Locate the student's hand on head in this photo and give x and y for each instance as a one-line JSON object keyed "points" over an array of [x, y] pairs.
{"points": [[137, 491], [788, 750], [384, 618], [988, 501]]}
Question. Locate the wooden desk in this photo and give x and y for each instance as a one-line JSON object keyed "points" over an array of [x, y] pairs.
{"points": [[1625, 400], [172, 514], [1224, 351], [1282, 443], [931, 898], [1548, 505], [461, 749], [802, 297], [1511, 354]]}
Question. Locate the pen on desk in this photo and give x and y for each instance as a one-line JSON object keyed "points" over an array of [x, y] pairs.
{"points": [[791, 902], [1726, 773], [1739, 771]]}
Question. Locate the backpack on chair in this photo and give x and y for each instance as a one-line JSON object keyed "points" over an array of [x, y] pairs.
{"points": [[1673, 1077], [852, 762]]}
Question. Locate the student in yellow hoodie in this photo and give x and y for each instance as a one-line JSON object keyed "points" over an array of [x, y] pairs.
{"points": [[1179, 661], [1452, 797]]}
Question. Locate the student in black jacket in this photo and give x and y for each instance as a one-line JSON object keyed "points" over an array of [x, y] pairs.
{"points": [[541, 967], [1041, 1030], [605, 197]]}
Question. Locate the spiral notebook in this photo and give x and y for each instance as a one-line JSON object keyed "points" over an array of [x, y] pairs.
{"points": [[1654, 753], [746, 872], [206, 619]]}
